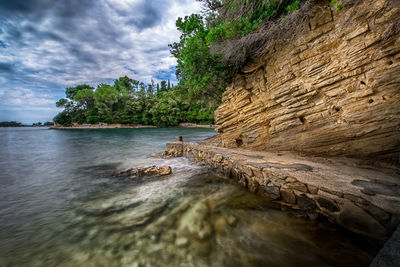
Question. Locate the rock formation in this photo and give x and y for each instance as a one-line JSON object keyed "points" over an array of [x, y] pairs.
{"points": [[146, 171], [363, 199], [335, 90]]}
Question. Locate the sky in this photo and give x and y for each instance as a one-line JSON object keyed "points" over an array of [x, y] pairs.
{"points": [[48, 45]]}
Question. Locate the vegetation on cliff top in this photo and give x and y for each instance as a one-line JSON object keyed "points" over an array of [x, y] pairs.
{"points": [[215, 45]]}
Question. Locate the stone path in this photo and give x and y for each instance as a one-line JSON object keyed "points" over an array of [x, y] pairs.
{"points": [[364, 199]]}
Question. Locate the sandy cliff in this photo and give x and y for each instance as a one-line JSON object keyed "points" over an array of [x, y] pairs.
{"points": [[335, 90]]}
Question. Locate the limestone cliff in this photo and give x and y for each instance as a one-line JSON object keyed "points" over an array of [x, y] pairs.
{"points": [[335, 90]]}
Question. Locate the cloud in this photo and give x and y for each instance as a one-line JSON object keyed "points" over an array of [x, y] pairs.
{"points": [[6, 67], [49, 45]]}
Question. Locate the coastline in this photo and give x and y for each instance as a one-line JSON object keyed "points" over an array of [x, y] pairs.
{"points": [[361, 198], [124, 126]]}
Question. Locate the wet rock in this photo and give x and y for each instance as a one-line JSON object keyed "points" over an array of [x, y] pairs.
{"points": [[359, 221], [146, 171], [271, 192], [174, 149], [253, 185], [304, 202], [312, 189], [194, 222], [312, 216], [291, 180], [378, 213], [154, 171], [288, 196], [326, 203], [219, 224], [231, 220], [296, 186], [181, 242], [137, 216]]}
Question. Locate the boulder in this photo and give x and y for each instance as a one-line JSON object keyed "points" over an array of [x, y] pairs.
{"points": [[154, 171], [146, 171]]}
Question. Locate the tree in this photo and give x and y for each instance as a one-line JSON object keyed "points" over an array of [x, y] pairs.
{"points": [[204, 75], [61, 103], [125, 85], [105, 97], [163, 86], [70, 92], [85, 98]]}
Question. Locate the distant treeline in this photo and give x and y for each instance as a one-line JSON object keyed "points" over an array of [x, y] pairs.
{"points": [[129, 101], [10, 124], [19, 124]]}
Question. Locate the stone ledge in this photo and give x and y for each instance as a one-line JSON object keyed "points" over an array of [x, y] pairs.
{"points": [[363, 199]]}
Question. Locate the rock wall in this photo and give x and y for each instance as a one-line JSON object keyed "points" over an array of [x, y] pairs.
{"points": [[335, 90], [360, 198]]}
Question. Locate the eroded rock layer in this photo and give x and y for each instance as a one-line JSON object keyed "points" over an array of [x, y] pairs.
{"points": [[335, 90]]}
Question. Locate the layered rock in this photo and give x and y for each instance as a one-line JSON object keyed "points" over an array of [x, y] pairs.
{"points": [[335, 90], [363, 199]]}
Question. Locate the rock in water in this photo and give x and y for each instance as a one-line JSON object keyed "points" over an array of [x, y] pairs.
{"points": [[154, 171], [146, 171]]}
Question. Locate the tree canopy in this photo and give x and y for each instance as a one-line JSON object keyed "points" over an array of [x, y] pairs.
{"points": [[205, 62], [129, 101]]}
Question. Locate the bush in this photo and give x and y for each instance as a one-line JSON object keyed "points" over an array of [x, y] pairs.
{"points": [[93, 119], [63, 118]]}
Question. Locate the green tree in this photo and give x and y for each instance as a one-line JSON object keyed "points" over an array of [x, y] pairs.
{"points": [[85, 98], [70, 92], [125, 85], [105, 97], [202, 74]]}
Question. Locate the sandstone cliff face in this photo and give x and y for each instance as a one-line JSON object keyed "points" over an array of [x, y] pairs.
{"points": [[335, 90]]}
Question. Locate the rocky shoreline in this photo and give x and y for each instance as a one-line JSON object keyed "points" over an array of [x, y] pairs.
{"points": [[123, 126], [363, 199], [101, 126]]}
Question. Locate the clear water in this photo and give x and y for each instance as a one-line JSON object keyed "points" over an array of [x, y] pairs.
{"points": [[61, 206]]}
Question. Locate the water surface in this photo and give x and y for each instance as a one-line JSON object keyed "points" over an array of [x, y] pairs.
{"points": [[61, 206]]}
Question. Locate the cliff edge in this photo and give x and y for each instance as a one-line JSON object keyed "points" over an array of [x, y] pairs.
{"points": [[335, 90]]}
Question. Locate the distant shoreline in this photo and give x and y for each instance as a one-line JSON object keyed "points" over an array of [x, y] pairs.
{"points": [[125, 126]]}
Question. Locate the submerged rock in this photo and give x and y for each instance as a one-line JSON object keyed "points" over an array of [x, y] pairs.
{"points": [[146, 171]]}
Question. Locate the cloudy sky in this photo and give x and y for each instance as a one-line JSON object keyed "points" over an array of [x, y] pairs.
{"points": [[48, 45]]}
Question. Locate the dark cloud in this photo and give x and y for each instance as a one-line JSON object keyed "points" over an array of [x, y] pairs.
{"points": [[82, 55], [25, 6], [150, 15], [6, 68]]}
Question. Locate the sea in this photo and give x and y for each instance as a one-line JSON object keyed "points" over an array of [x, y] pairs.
{"points": [[61, 204]]}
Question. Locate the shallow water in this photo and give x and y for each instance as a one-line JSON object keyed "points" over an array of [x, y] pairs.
{"points": [[60, 206]]}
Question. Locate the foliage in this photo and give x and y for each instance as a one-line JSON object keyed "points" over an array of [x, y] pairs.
{"points": [[72, 91], [338, 4], [63, 118], [202, 74], [293, 6], [129, 101], [10, 124], [213, 47]]}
